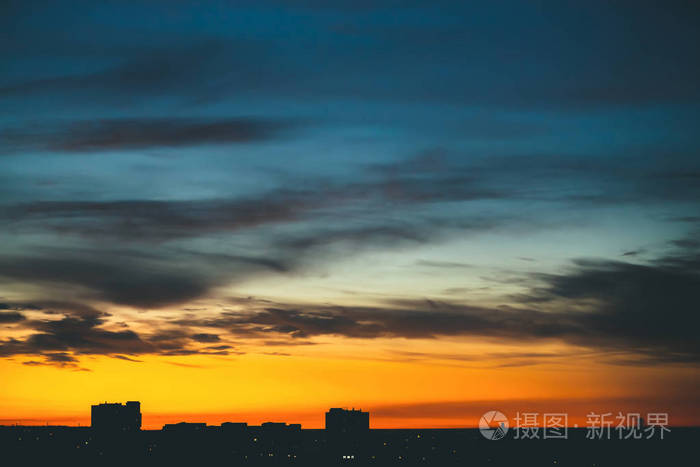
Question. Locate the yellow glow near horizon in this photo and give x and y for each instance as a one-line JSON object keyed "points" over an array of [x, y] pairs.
{"points": [[298, 388]]}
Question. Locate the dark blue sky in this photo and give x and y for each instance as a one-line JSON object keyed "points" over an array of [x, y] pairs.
{"points": [[518, 154]]}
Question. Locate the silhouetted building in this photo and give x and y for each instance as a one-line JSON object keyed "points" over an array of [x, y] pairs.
{"points": [[274, 427], [116, 417], [347, 440], [347, 421], [184, 427], [234, 427]]}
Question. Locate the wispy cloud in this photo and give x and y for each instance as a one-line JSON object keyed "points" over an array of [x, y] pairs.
{"points": [[138, 133]]}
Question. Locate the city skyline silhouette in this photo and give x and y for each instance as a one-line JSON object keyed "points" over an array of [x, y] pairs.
{"points": [[115, 435]]}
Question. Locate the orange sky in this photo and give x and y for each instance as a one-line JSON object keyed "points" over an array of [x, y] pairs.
{"points": [[411, 389]]}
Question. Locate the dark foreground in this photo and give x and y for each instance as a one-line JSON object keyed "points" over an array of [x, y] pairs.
{"points": [[81, 446]]}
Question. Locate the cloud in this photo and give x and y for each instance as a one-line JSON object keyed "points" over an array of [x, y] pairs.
{"points": [[147, 282], [57, 359], [505, 358], [60, 342], [11, 317], [281, 231], [115, 237], [160, 220], [640, 310], [407, 319], [190, 70], [60, 357], [138, 133], [207, 338], [645, 307], [443, 264], [142, 276], [358, 207], [219, 347], [450, 56], [156, 277], [19, 306], [128, 359], [402, 184], [77, 334], [633, 314], [687, 243], [633, 252], [431, 197], [285, 343]]}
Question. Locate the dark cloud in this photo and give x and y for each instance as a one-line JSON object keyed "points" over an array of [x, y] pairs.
{"points": [[403, 187], [633, 252], [159, 220], [191, 70], [57, 359], [80, 335], [151, 274], [69, 308], [647, 307], [284, 230], [687, 243], [140, 277], [10, 317], [384, 235], [219, 347], [497, 359], [688, 219], [285, 343], [442, 176], [327, 242], [443, 264], [168, 335], [207, 338], [461, 53], [134, 133], [62, 341], [141, 283], [128, 359], [60, 357], [607, 305], [19, 306], [408, 319], [147, 278], [636, 313]]}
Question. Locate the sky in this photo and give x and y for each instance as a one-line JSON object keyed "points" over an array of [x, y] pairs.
{"points": [[253, 211]]}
